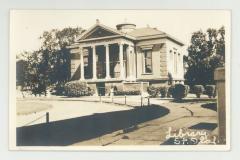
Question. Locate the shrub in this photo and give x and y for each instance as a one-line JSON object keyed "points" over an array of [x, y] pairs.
{"points": [[153, 91], [210, 91], [76, 89], [163, 91], [170, 91], [121, 93], [59, 89], [180, 91], [198, 90]]}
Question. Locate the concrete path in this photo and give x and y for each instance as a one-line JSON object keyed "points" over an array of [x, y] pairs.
{"points": [[182, 115], [153, 132]]}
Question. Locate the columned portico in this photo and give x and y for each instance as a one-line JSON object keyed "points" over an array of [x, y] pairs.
{"points": [[120, 64]]}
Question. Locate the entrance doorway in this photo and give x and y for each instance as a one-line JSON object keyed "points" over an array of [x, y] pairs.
{"points": [[101, 88]]}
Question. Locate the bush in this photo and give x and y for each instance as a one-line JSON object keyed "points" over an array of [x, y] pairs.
{"points": [[170, 91], [59, 89], [77, 89], [153, 91], [163, 91], [121, 93], [198, 90], [210, 91], [180, 91]]}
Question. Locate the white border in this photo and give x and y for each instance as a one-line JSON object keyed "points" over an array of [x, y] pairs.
{"points": [[12, 111]]}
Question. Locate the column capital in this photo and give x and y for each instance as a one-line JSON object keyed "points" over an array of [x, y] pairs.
{"points": [[106, 45], [93, 46], [120, 43]]}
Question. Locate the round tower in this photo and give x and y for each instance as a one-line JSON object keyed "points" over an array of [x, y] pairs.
{"points": [[126, 27]]}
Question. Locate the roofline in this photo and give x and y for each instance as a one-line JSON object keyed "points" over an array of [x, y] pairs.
{"points": [[162, 37], [125, 35], [175, 40], [99, 25]]}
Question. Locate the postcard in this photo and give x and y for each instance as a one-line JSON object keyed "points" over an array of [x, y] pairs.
{"points": [[119, 80]]}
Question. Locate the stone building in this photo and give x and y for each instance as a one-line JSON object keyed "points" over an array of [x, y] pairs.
{"points": [[126, 58]]}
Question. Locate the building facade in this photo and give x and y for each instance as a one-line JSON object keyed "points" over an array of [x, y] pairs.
{"points": [[126, 58]]}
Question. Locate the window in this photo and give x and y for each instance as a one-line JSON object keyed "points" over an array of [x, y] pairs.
{"points": [[175, 63], [147, 62], [179, 63]]}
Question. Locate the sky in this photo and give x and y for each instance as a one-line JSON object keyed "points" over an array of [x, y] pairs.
{"points": [[26, 26]]}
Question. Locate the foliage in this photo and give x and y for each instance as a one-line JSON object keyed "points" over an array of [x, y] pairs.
{"points": [[198, 90], [163, 91], [58, 89], [180, 91], [153, 91], [210, 90], [51, 63], [205, 54], [77, 89], [170, 90]]}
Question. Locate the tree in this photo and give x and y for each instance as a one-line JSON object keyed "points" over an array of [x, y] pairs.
{"points": [[54, 46], [205, 54], [51, 63]]}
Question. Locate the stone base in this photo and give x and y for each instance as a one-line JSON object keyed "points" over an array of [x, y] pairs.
{"points": [[108, 87]]}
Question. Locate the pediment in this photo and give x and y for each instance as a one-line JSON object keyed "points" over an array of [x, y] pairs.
{"points": [[98, 32]]}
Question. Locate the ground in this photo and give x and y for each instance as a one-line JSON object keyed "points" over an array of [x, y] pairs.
{"points": [[26, 108], [87, 121]]}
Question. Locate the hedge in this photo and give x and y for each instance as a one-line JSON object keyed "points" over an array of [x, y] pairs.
{"points": [[77, 89], [163, 91], [180, 91], [153, 91], [210, 90], [198, 90]]}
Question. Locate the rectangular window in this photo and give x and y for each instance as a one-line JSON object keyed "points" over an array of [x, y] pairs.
{"points": [[175, 63], [147, 61]]}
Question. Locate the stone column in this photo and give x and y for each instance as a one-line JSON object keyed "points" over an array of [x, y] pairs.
{"points": [[219, 77], [134, 63], [107, 62], [94, 62], [121, 61], [130, 63], [82, 64]]}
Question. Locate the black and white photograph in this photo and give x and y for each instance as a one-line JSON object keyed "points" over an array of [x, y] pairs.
{"points": [[119, 80]]}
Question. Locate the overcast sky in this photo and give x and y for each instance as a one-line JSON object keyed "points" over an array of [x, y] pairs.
{"points": [[27, 26]]}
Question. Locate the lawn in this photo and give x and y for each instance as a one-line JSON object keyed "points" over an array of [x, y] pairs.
{"points": [[25, 108]]}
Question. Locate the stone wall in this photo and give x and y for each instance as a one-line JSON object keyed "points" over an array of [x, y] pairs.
{"points": [[163, 61]]}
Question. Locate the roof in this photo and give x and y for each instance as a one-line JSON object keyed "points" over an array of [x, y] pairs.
{"points": [[147, 31], [137, 34]]}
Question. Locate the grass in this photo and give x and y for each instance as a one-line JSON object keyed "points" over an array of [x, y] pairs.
{"points": [[25, 108]]}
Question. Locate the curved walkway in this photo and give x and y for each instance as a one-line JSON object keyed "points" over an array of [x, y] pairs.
{"points": [[189, 114]]}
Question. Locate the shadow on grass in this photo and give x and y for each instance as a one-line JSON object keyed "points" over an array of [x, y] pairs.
{"points": [[212, 106], [66, 132]]}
